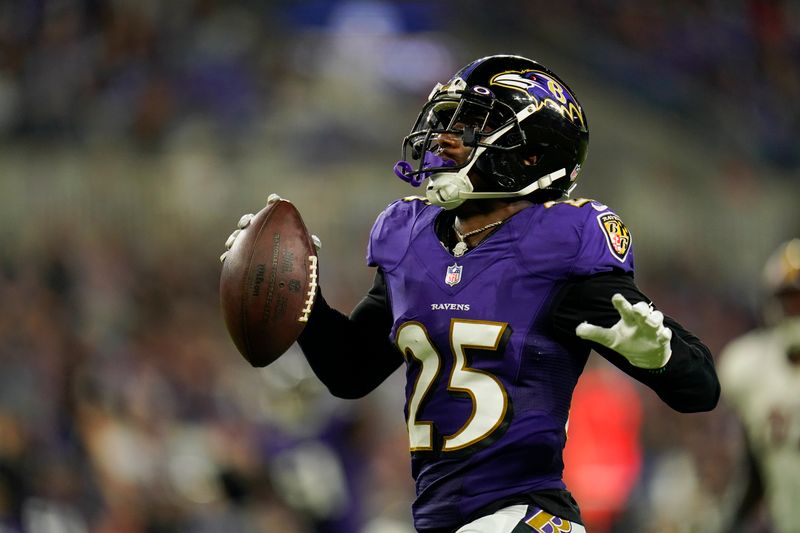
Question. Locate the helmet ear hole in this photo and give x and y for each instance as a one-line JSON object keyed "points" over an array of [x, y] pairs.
{"points": [[505, 171], [506, 182]]}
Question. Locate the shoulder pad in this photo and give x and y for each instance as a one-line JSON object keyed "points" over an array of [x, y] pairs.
{"points": [[581, 235], [574, 202], [394, 229], [606, 242]]}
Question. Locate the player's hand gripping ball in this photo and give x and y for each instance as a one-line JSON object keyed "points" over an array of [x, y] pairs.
{"points": [[268, 281]]}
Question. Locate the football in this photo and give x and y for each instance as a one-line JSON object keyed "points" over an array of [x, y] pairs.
{"points": [[268, 283]]}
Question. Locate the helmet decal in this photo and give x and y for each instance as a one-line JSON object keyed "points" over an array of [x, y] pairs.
{"points": [[520, 80], [545, 89]]}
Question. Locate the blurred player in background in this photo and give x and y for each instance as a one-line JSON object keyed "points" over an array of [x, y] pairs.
{"points": [[760, 372], [493, 290]]}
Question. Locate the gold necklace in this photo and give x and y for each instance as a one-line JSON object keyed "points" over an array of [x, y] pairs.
{"points": [[461, 247]]}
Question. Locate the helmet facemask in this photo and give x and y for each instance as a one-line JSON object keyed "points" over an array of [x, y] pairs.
{"points": [[526, 130], [484, 124]]}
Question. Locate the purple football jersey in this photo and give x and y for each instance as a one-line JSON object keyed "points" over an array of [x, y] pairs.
{"points": [[488, 390]]}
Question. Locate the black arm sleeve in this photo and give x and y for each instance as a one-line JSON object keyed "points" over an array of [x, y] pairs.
{"points": [[688, 383], [351, 355]]}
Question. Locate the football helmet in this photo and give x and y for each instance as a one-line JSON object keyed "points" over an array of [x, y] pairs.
{"points": [[527, 131], [781, 279]]}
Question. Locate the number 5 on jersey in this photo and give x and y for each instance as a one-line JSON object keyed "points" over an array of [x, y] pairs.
{"points": [[489, 397]]}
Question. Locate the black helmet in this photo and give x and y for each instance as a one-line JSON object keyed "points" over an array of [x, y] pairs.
{"points": [[528, 131]]}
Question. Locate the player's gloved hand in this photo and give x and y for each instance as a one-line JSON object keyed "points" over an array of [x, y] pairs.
{"points": [[640, 335], [242, 224], [245, 221]]}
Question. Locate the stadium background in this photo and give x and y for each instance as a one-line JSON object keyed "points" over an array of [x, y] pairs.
{"points": [[134, 134]]}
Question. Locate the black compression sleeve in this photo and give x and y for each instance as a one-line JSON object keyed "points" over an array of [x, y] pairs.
{"points": [[351, 355], [688, 383]]}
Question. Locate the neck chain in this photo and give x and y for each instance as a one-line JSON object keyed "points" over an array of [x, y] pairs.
{"points": [[461, 246]]}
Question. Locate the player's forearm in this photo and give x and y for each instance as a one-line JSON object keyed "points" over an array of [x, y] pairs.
{"points": [[688, 383], [351, 356]]}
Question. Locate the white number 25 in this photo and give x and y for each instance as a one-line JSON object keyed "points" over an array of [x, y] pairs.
{"points": [[489, 397]]}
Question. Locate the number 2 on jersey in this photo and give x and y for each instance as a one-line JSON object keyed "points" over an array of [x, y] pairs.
{"points": [[489, 397]]}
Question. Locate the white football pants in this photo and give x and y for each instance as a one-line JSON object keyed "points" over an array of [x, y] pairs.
{"points": [[521, 518]]}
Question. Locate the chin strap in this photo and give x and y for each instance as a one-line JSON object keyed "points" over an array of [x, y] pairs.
{"points": [[542, 183]]}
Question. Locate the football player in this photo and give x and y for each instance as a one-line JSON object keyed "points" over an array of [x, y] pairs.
{"points": [[492, 290], [761, 374]]}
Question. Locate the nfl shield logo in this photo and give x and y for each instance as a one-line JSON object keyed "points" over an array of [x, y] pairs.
{"points": [[453, 274]]}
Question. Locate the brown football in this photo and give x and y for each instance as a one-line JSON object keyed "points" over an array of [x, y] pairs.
{"points": [[268, 283]]}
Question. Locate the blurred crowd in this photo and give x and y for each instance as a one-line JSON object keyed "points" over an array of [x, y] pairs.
{"points": [[134, 134], [94, 70], [729, 68]]}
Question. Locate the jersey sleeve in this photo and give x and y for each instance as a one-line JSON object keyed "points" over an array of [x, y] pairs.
{"points": [[577, 238], [605, 242], [688, 383], [392, 232]]}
